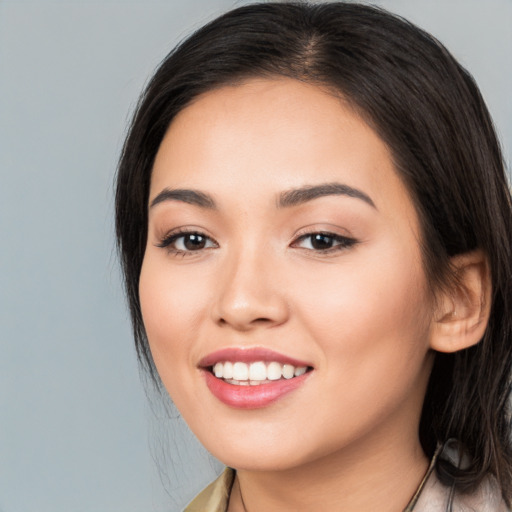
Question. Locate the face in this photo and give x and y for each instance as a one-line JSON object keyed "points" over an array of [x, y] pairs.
{"points": [[283, 256]]}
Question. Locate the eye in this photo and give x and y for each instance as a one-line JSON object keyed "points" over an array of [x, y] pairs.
{"points": [[187, 242], [323, 242]]}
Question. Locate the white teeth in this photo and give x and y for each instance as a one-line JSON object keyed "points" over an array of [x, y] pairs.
{"points": [[242, 382], [288, 371], [228, 370], [255, 373], [240, 371], [300, 370], [218, 370], [274, 371]]}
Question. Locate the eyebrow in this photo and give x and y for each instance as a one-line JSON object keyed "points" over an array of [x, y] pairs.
{"points": [[307, 193], [286, 199], [185, 196]]}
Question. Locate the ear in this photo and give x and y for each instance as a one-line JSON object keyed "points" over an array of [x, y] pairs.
{"points": [[463, 310]]}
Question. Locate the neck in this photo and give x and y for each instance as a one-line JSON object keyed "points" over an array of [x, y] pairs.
{"points": [[364, 477]]}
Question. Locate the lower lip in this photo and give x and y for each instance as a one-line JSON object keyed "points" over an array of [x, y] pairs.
{"points": [[252, 397]]}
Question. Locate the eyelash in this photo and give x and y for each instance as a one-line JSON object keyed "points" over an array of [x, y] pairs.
{"points": [[341, 242], [170, 239]]}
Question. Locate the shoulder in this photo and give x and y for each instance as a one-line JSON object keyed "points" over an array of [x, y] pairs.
{"points": [[435, 496], [215, 497]]}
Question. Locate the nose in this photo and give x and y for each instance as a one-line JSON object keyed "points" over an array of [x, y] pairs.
{"points": [[251, 293]]}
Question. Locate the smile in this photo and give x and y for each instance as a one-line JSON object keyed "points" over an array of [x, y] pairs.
{"points": [[254, 374], [252, 378]]}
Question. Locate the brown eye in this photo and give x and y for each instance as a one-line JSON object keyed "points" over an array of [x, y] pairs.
{"points": [[185, 242], [194, 242], [323, 242]]}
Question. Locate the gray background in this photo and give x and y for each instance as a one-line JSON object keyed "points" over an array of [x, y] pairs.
{"points": [[76, 429]]}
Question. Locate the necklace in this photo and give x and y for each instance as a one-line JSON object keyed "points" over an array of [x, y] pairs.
{"points": [[241, 496], [411, 504]]}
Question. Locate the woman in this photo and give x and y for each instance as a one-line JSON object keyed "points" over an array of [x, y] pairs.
{"points": [[315, 228]]}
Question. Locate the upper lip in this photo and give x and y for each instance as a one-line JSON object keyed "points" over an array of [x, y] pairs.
{"points": [[248, 355]]}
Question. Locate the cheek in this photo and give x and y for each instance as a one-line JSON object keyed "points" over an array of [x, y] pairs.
{"points": [[172, 305], [372, 310], [371, 323]]}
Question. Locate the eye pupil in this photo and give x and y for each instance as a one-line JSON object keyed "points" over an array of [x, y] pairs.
{"points": [[319, 241], [193, 242]]}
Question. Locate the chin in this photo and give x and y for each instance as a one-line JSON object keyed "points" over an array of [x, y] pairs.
{"points": [[258, 462], [277, 452]]}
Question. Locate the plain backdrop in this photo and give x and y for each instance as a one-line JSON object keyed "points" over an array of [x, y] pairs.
{"points": [[76, 430]]}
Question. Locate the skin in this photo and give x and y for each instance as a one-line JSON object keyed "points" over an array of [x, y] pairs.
{"points": [[360, 315]]}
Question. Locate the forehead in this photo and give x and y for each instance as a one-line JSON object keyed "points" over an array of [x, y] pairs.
{"points": [[266, 135]]}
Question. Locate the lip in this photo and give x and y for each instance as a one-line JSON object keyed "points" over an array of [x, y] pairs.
{"points": [[250, 397], [249, 355]]}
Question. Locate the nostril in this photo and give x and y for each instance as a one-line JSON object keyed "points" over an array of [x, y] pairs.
{"points": [[248, 304]]}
